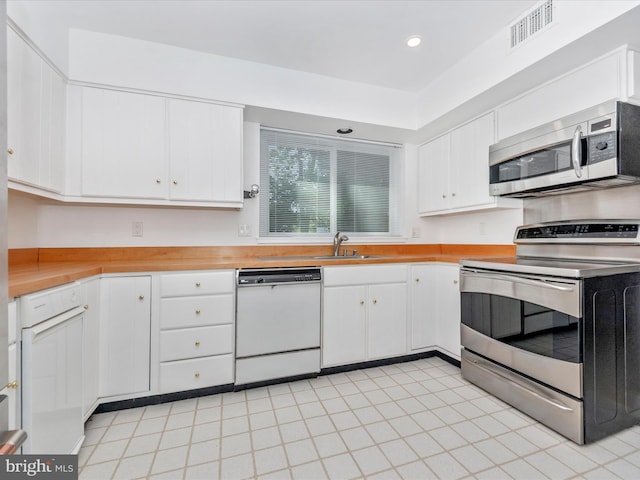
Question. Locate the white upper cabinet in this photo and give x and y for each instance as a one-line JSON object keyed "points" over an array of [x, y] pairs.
{"points": [[36, 104], [454, 171], [205, 152], [149, 149], [123, 144], [587, 86]]}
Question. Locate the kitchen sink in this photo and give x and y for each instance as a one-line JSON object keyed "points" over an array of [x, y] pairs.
{"points": [[320, 257], [344, 257]]}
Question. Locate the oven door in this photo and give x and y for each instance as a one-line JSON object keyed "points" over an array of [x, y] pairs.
{"points": [[529, 323]]}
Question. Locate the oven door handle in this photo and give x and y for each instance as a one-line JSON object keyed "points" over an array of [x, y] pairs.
{"points": [[530, 391], [518, 279]]}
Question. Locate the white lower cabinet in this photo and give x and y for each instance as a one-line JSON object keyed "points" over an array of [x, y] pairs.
{"points": [[423, 315], [435, 308], [12, 389], [364, 313], [196, 335], [449, 309], [125, 330], [90, 346]]}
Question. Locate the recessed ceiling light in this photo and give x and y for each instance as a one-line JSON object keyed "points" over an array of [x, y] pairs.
{"points": [[344, 131], [414, 41]]}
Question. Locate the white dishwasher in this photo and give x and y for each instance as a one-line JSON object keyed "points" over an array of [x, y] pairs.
{"points": [[52, 370], [277, 324]]}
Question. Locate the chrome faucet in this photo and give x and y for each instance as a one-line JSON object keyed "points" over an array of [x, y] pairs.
{"points": [[337, 241]]}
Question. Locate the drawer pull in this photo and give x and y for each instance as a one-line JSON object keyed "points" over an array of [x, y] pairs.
{"points": [[141, 297], [375, 302], [197, 375], [10, 151], [197, 284], [197, 343], [198, 311], [13, 385], [361, 302]]}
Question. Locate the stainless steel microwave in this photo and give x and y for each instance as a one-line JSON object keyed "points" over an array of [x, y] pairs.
{"points": [[595, 148]]}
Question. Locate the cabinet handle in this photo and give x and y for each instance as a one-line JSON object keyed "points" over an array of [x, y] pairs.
{"points": [[86, 307], [197, 284], [158, 181], [197, 375], [375, 302], [197, 343], [417, 280], [444, 196], [198, 311], [175, 182], [141, 297], [361, 302], [455, 282], [10, 151], [453, 194], [13, 385]]}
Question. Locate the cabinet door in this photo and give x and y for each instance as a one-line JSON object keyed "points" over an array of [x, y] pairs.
{"points": [[449, 308], [125, 329], [123, 144], [53, 116], [344, 325], [24, 129], [387, 320], [469, 163], [90, 346], [423, 306], [433, 175], [205, 151]]}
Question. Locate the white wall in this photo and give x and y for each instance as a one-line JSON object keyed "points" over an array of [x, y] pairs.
{"points": [[131, 63], [492, 62], [45, 32]]}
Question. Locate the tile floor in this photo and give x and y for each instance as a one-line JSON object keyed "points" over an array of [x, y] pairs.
{"points": [[413, 420]]}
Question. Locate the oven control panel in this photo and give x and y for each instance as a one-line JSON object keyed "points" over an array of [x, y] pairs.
{"points": [[597, 231]]}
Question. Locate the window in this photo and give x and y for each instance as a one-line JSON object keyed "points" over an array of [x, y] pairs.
{"points": [[313, 186]]}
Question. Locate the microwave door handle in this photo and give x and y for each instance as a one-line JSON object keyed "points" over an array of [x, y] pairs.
{"points": [[576, 151], [524, 280]]}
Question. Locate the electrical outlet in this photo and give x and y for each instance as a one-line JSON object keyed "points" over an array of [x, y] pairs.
{"points": [[415, 232], [136, 229], [244, 230]]}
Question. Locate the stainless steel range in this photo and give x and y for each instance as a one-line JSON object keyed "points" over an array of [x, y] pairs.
{"points": [[555, 331]]}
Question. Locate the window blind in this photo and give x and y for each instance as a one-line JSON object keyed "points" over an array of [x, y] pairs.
{"points": [[313, 186]]}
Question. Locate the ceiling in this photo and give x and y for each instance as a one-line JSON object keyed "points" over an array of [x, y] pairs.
{"points": [[361, 41]]}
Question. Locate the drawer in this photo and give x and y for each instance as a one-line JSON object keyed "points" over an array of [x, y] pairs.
{"points": [[196, 283], [197, 311], [196, 373], [195, 342]]}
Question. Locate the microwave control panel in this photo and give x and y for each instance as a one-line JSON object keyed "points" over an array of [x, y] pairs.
{"points": [[602, 147]]}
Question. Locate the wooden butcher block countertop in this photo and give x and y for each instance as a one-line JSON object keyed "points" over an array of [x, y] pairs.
{"points": [[35, 269]]}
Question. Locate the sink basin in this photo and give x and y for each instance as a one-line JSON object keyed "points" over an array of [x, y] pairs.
{"points": [[344, 257], [320, 257]]}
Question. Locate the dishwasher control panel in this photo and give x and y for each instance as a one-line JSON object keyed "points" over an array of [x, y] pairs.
{"points": [[267, 276]]}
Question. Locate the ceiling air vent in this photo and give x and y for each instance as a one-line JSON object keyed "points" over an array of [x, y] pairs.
{"points": [[534, 21]]}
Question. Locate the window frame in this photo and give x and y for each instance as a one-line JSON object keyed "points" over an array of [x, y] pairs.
{"points": [[333, 145]]}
